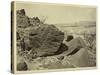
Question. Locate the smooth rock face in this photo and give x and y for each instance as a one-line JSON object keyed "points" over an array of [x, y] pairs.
{"points": [[74, 45], [79, 59]]}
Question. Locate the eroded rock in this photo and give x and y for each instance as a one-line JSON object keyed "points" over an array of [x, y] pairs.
{"points": [[45, 40]]}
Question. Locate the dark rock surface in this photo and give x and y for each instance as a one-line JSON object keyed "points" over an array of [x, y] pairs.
{"points": [[45, 40], [22, 66], [42, 40], [22, 19]]}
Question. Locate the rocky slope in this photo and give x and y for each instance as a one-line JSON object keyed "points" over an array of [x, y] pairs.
{"points": [[40, 46]]}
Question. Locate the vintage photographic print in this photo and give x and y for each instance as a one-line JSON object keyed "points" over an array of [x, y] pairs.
{"points": [[53, 36]]}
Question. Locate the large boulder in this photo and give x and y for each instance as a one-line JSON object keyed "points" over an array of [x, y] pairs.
{"points": [[79, 59], [41, 39], [45, 40], [74, 45]]}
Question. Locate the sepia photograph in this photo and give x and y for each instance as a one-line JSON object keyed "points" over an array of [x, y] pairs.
{"points": [[51, 36]]}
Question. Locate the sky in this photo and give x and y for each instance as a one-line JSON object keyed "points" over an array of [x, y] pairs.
{"points": [[59, 14]]}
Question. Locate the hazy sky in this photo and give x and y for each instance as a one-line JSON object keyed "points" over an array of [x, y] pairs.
{"points": [[59, 13]]}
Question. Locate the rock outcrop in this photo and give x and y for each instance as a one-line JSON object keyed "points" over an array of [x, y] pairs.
{"points": [[41, 46], [45, 40], [42, 40], [22, 19], [77, 60]]}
